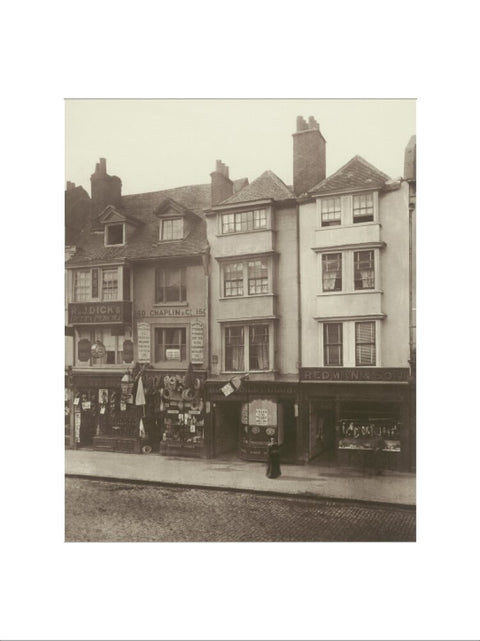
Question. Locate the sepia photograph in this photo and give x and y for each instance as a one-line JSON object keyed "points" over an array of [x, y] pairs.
{"points": [[240, 320]]}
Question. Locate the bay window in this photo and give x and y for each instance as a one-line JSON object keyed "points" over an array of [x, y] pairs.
{"points": [[247, 347], [99, 284], [244, 221], [248, 277], [82, 287]]}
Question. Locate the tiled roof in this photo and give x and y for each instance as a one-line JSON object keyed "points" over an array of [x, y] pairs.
{"points": [[356, 174], [143, 242], [268, 185]]}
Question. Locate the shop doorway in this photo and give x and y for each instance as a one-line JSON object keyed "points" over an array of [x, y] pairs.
{"points": [[321, 433], [226, 429]]}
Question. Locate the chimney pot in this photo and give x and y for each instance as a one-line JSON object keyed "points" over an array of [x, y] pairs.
{"points": [[309, 162]]}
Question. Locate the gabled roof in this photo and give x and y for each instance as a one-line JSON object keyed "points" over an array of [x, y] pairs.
{"points": [[169, 206], [267, 186], [144, 240], [355, 175]]}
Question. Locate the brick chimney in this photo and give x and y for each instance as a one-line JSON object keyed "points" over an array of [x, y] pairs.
{"points": [[222, 186], [309, 163], [70, 186], [106, 190]]}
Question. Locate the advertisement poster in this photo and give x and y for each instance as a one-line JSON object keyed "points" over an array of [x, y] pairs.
{"points": [[143, 342]]}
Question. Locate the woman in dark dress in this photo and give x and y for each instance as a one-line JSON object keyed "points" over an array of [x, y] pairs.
{"points": [[273, 458]]}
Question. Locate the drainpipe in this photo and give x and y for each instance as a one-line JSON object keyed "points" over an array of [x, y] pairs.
{"points": [[300, 441]]}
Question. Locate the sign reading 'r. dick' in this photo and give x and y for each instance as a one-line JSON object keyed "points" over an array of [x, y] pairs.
{"points": [[112, 312]]}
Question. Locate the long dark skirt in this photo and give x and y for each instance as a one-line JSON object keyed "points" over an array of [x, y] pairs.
{"points": [[273, 465]]}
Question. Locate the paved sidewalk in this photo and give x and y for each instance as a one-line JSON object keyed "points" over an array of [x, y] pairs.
{"points": [[301, 480]]}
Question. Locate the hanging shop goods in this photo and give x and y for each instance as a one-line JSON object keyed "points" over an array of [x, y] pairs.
{"points": [[183, 410], [357, 434]]}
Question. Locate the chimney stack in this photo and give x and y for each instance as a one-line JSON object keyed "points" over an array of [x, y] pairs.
{"points": [[70, 186], [222, 186], [410, 166], [106, 190], [309, 162]]}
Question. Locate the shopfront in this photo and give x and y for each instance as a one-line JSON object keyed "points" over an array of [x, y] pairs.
{"points": [[245, 418], [350, 412]]}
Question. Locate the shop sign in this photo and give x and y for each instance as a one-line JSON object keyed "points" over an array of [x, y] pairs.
{"points": [[196, 342], [261, 416], [354, 374], [143, 342], [262, 411], [172, 354], [127, 351], [88, 313], [227, 389], [84, 350], [180, 312]]}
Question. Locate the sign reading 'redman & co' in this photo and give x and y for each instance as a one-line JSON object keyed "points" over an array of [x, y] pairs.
{"points": [[111, 312], [353, 374]]}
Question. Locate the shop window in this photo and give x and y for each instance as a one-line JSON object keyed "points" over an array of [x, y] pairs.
{"points": [[233, 279], [258, 356], [170, 285], [82, 285], [234, 349], [363, 208], [110, 284], [333, 344], [365, 348], [114, 234], [172, 229], [331, 211], [364, 269], [112, 339], [332, 272], [257, 277], [170, 344], [244, 221]]}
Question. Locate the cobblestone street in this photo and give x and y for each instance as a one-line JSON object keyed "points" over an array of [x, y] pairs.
{"points": [[112, 511]]}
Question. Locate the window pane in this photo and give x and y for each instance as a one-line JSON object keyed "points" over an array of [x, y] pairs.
{"points": [[365, 352], [257, 277], [234, 349], [364, 267], [333, 344], [332, 272], [259, 218], [228, 224], [82, 285], [233, 279], [110, 284], [363, 208], [258, 347], [172, 229], [331, 211]]}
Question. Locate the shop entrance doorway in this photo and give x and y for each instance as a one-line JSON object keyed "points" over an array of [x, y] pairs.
{"points": [[226, 428], [322, 433]]}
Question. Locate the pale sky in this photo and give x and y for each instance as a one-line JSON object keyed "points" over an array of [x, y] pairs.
{"points": [[159, 144]]}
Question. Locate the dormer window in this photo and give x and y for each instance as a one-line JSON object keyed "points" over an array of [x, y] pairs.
{"points": [[171, 229], [114, 234]]}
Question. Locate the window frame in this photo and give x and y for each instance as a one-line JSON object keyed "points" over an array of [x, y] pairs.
{"points": [[161, 275], [97, 332], [241, 222], [233, 283], [247, 280], [368, 207], [108, 227], [372, 344], [248, 335], [330, 210], [163, 329], [172, 221], [358, 278], [327, 345], [327, 260]]}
